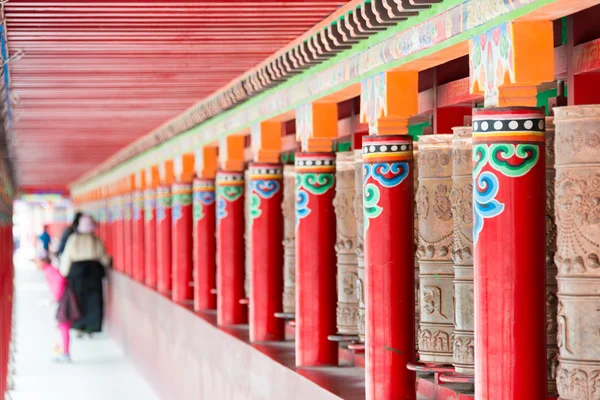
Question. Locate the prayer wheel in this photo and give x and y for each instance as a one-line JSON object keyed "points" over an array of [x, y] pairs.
{"points": [[247, 235], [289, 239], [578, 245], [461, 198], [436, 272], [347, 313]]}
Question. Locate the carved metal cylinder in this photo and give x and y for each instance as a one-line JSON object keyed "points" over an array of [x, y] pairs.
{"points": [[289, 239], [360, 253], [551, 271], [345, 246], [578, 245], [436, 271], [416, 240], [461, 197]]}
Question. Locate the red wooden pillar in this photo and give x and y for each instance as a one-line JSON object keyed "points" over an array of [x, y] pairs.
{"points": [[117, 232], [230, 249], [205, 246], [316, 295], [163, 239], [182, 243], [138, 236], [127, 235], [509, 253], [389, 266], [266, 272], [150, 238]]}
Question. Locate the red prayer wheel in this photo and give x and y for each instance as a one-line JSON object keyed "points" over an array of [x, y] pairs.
{"points": [[163, 239], [388, 187], [230, 249], [183, 279], [150, 238], [509, 192], [205, 245], [316, 295], [266, 270]]}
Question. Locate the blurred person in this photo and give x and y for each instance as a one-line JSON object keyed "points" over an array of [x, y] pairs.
{"points": [[68, 311], [67, 233], [44, 239], [83, 262]]}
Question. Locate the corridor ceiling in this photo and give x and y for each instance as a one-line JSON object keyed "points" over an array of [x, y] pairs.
{"points": [[96, 75]]}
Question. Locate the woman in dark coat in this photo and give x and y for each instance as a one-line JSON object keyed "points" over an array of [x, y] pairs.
{"points": [[83, 263]]}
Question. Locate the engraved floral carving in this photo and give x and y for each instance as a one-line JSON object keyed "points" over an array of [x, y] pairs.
{"points": [[434, 159], [422, 200], [578, 384], [464, 350], [575, 141], [577, 206], [462, 157], [442, 206], [438, 341]]}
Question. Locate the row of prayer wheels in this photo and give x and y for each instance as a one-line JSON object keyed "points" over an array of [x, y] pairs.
{"points": [[444, 250]]}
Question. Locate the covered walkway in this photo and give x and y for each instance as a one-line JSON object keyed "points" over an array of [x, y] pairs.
{"points": [[99, 370]]}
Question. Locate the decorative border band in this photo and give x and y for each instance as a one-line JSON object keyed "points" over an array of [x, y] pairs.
{"points": [[207, 185], [509, 124], [230, 178], [315, 162], [265, 171], [387, 148]]}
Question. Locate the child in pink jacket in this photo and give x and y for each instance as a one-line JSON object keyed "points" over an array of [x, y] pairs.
{"points": [[67, 309]]}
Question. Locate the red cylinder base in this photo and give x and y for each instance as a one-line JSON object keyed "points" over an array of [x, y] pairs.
{"points": [[150, 237], [389, 267], [316, 295], [183, 290], [509, 253], [266, 271], [163, 240], [138, 236], [230, 247], [205, 245]]}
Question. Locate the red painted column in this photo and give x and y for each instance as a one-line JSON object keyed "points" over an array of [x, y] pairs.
{"points": [[205, 245], [127, 235], [108, 236], [138, 236], [117, 232], [316, 295], [509, 192], [163, 239], [389, 266], [266, 268], [230, 249], [150, 238], [183, 290]]}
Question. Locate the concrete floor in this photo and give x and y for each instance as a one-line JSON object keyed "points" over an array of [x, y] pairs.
{"points": [[99, 370]]}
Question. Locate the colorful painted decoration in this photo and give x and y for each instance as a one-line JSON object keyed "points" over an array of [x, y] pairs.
{"points": [[230, 187], [377, 154], [204, 195], [163, 201], [496, 136], [373, 104], [149, 204], [182, 196], [315, 175]]}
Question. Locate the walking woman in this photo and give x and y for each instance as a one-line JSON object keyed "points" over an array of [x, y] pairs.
{"points": [[83, 263]]}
